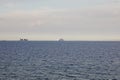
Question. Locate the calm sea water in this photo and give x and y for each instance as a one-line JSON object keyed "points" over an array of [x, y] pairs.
{"points": [[52, 60]]}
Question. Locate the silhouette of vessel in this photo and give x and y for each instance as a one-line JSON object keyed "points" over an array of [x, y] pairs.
{"points": [[23, 39], [61, 39]]}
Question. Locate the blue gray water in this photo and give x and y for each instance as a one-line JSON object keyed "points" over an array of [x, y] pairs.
{"points": [[52, 60]]}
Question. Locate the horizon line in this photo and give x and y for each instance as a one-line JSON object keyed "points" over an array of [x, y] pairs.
{"points": [[63, 41]]}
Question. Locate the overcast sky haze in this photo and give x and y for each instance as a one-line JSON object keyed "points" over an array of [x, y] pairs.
{"points": [[54, 19]]}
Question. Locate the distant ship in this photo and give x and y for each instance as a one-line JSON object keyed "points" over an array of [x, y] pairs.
{"points": [[23, 39], [61, 39]]}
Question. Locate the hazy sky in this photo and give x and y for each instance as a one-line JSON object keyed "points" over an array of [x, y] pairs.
{"points": [[54, 19]]}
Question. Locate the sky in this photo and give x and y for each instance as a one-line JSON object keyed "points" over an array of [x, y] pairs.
{"points": [[54, 19]]}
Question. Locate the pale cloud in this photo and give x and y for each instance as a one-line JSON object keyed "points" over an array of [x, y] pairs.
{"points": [[101, 20]]}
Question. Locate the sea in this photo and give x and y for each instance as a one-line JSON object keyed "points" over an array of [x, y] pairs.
{"points": [[59, 60]]}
